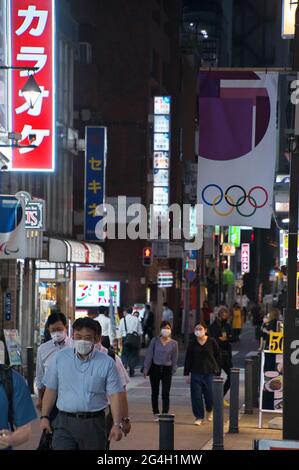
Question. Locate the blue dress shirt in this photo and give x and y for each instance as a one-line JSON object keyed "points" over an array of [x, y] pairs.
{"points": [[83, 385]]}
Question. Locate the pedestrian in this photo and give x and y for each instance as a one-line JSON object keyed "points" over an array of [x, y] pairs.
{"points": [[105, 322], [57, 326], [206, 313], [167, 314], [130, 332], [160, 364], [236, 321], [244, 305], [148, 325], [82, 379], [202, 362], [222, 332], [16, 409]]}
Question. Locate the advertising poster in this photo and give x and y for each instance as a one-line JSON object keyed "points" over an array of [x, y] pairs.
{"points": [[271, 389], [13, 345]]}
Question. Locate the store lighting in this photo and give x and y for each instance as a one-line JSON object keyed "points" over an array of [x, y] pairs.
{"points": [[31, 91]]}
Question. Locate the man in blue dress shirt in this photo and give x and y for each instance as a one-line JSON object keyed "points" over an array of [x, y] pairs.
{"points": [[81, 379], [23, 411]]}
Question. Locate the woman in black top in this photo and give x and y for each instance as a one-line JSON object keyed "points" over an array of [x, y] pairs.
{"points": [[201, 364]]}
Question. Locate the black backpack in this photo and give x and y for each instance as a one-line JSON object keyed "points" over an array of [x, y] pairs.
{"points": [[7, 382]]}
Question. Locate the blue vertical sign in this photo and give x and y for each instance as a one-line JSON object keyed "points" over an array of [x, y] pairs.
{"points": [[95, 164]]}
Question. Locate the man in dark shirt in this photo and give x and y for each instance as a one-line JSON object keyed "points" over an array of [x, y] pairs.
{"points": [[223, 334], [148, 324]]}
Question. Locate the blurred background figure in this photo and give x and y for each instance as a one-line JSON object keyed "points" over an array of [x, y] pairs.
{"points": [[148, 325], [206, 313], [236, 321]]}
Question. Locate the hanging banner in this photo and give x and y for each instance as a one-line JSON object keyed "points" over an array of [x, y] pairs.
{"points": [[95, 165], [245, 258], [237, 147], [32, 39], [13, 239]]}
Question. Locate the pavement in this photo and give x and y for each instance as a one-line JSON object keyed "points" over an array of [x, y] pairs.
{"points": [[145, 432]]}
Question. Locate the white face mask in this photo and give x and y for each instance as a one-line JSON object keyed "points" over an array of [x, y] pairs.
{"points": [[83, 347], [199, 333], [58, 336], [165, 333]]}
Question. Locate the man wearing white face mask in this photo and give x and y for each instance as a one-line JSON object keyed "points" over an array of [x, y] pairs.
{"points": [[82, 379], [57, 326], [160, 364]]}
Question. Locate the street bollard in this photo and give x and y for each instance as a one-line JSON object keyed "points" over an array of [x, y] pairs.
{"points": [[166, 429], [234, 401], [218, 413], [248, 387], [255, 356], [30, 368]]}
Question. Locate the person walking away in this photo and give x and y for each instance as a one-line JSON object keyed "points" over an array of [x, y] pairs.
{"points": [[148, 325], [206, 313], [222, 332], [82, 379], [237, 322], [105, 322], [130, 326], [160, 364], [202, 362], [167, 314], [244, 306], [16, 409]]}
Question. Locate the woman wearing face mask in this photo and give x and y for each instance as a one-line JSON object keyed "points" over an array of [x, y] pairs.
{"points": [[201, 364], [160, 364]]}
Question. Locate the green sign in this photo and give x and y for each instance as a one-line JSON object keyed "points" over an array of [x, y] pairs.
{"points": [[234, 236]]}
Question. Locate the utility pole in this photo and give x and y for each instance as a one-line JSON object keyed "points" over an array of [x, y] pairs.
{"points": [[291, 320]]}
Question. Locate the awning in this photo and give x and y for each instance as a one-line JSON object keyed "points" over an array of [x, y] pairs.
{"points": [[70, 251]]}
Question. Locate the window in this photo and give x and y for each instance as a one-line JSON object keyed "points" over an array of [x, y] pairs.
{"points": [[85, 53]]}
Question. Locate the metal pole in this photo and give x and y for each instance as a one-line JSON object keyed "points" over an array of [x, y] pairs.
{"points": [[186, 309], [197, 318], [248, 387], [218, 413], [234, 401], [291, 320], [166, 432], [30, 368]]}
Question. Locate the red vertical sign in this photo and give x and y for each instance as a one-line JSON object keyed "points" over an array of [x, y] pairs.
{"points": [[245, 258], [32, 45]]}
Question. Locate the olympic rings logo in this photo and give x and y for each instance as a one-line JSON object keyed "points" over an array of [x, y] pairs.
{"points": [[235, 202]]}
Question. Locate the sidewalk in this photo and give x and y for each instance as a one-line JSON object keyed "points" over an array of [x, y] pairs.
{"points": [[145, 432]]}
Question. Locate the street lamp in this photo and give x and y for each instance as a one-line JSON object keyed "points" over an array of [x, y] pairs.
{"points": [[31, 91]]}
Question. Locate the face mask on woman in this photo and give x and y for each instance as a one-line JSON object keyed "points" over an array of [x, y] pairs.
{"points": [[83, 347], [165, 332], [200, 333]]}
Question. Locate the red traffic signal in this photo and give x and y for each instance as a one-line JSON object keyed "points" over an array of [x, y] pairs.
{"points": [[147, 256]]}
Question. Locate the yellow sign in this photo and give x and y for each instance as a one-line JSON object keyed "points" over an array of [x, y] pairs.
{"points": [[288, 19], [276, 343]]}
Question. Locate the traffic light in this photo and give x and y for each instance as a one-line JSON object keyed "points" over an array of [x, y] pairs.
{"points": [[147, 256]]}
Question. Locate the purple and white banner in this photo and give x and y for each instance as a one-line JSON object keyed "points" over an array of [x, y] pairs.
{"points": [[237, 147]]}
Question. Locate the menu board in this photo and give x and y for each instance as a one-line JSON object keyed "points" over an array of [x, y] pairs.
{"points": [[161, 178], [162, 124], [271, 382], [161, 141], [160, 196], [162, 105]]}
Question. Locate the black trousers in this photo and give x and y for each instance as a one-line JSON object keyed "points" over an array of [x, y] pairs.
{"points": [[226, 365], [160, 374]]}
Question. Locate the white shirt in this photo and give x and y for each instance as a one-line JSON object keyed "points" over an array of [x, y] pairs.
{"points": [[133, 324], [106, 326], [119, 365], [45, 354], [167, 315]]}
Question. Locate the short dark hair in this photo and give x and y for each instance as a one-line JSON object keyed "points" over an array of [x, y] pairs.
{"points": [[86, 322], [201, 323], [165, 323], [165, 304], [102, 310], [129, 310], [148, 306], [56, 316]]}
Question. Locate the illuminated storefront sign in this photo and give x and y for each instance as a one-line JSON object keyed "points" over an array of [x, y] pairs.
{"points": [[32, 45], [96, 293], [245, 258]]}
